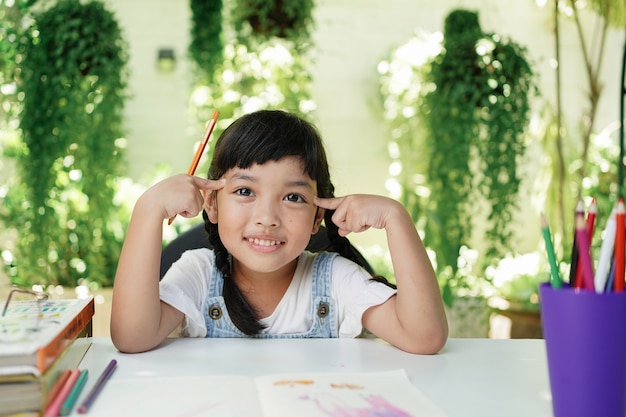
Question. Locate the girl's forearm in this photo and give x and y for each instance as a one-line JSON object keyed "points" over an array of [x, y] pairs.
{"points": [[136, 306], [419, 306]]}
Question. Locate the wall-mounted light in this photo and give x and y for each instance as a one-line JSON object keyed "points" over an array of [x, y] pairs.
{"points": [[166, 60]]}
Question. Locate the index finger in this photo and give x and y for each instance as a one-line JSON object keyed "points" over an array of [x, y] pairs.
{"points": [[206, 184], [328, 203]]}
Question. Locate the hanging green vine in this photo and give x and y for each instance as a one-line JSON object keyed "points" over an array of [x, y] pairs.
{"points": [[459, 124], [266, 66], [73, 84], [477, 110], [264, 19], [206, 44]]}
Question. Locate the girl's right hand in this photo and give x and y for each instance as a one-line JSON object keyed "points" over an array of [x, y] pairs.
{"points": [[181, 195], [141, 323]]}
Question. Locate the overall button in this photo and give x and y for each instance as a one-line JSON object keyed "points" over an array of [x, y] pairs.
{"points": [[322, 310], [215, 312]]}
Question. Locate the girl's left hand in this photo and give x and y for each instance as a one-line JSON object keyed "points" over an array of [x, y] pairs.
{"points": [[359, 212]]}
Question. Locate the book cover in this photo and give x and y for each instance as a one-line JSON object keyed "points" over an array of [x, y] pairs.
{"points": [[33, 334], [29, 392]]}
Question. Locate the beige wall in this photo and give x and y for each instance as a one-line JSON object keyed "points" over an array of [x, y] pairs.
{"points": [[351, 37]]}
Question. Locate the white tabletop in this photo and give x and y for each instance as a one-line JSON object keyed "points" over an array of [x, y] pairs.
{"points": [[469, 377]]}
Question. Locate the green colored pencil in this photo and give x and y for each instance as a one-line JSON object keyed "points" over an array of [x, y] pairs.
{"points": [[68, 404], [555, 277]]}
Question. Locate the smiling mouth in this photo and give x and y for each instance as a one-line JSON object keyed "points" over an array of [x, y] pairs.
{"points": [[264, 242]]}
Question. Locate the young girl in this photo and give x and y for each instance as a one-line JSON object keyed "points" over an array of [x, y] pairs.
{"points": [[269, 191]]}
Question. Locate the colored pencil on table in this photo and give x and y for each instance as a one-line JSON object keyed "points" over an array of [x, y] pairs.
{"points": [[620, 246], [200, 150], [606, 254], [580, 210], [584, 254], [58, 384], [72, 397], [609, 282], [95, 391], [555, 277], [54, 408], [590, 224]]}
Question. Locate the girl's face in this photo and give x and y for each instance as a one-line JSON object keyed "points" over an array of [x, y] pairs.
{"points": [[265, 214]]}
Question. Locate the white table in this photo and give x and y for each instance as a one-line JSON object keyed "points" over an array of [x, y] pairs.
{"points": [[469, 377]]}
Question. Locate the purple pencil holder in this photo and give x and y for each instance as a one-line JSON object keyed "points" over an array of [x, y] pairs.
{"points": [[585, 336]]}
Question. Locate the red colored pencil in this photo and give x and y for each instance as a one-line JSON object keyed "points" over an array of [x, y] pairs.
{"points": [[58, 384], [620, 243], [584, 254], [54, 408], [591, 220]]}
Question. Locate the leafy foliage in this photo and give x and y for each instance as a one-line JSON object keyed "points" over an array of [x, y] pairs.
{"points": [[72, 80], [12, 40], [479, 101], [458, 114], [570, 150], [268, 69], [614, 11], [206, 43], [274, 18]]}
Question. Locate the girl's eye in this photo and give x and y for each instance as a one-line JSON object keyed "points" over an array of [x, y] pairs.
{"points": [[294, 198], [243, 192]]}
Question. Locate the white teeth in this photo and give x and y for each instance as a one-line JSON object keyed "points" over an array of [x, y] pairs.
{"points": [[263, 242]]}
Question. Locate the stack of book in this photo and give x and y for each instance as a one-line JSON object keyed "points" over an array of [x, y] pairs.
{"points": [[38, 341]]}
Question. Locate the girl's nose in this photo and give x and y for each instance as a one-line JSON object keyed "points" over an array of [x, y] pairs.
{"points": [[266, 213]]}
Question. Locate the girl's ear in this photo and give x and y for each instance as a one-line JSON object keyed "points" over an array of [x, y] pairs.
{"points": [[210, 205], [319, 216]]}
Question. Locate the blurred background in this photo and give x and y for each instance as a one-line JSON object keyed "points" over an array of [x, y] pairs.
{"points": [[362, 71]]}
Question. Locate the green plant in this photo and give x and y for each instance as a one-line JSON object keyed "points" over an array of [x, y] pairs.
{"points": [[63, 203], [463, 281], [260, 69], [571, 153], [458, 111], [12, 39], [274, 18], [206, 43], [517, 278]]}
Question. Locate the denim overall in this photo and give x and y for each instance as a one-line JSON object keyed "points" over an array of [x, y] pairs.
{"points": [[323, 309]]}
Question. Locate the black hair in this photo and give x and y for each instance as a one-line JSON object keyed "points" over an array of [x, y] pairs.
{"points": [[257, 138]]}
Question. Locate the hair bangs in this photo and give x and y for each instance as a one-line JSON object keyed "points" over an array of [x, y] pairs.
{"points": [[269, 135]]}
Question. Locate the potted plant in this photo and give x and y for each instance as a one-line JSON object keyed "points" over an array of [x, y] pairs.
{"points": [[458, 105]]}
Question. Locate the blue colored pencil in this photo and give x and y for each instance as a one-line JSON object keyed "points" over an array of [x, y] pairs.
{"points": [[609, 282]]}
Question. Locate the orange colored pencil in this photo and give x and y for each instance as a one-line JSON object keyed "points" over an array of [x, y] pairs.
{"points": [[620, 246], [200, 150]]}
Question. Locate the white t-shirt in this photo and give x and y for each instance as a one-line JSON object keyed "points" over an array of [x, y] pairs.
{"points": [[185, 286]]}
